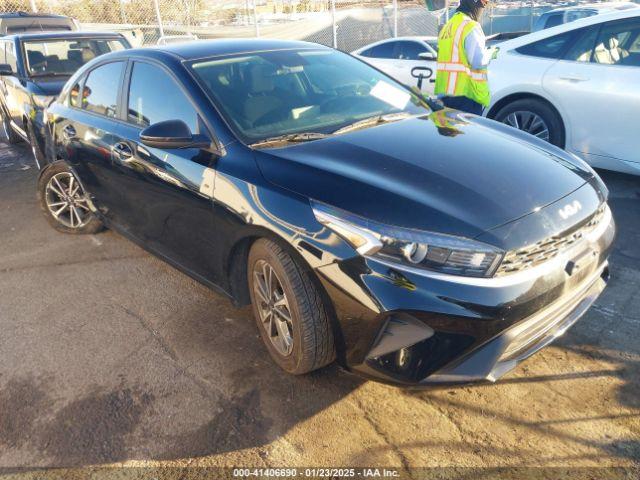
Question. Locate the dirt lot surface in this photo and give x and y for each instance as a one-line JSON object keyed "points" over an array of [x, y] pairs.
{"points": [[110, 356]]}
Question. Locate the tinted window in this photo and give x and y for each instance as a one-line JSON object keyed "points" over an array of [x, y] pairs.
{"points": [[617, 43], [554, 20], [65, 56], [582, 48], [155, 97], [552, 47], [336, 90], [101, 89], [410, 50], [384, 50]]}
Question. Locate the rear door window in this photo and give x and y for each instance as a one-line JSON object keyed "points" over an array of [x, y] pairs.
{"points": [[409, 50], [384, 50], [101, 89], [552, 47]]}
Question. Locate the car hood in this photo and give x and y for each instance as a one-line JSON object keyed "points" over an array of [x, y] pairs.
{"points": [[446, 172]]}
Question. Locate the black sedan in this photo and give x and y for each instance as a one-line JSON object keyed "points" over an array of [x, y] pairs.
{"points": [[363, 222]]}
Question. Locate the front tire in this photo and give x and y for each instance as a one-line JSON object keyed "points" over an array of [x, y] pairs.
{"points": [[292, 318], [64, 202], [534, 117]]}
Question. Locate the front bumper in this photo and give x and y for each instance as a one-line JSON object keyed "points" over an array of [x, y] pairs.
{"points": [[416, 328]]}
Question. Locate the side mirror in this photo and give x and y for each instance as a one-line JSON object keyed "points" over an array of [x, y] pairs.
{"points": [[427, 56], [172, 134], [5, 69]]}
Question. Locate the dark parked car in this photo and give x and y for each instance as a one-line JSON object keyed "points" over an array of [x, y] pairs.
{"points": [[415, 244], [22, 22], [33, 69]]}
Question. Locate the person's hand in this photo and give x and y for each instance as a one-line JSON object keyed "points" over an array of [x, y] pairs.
{"points": [[494, 52]]}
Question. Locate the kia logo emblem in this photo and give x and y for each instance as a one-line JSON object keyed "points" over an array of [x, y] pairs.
{"points": [[570, 209]]}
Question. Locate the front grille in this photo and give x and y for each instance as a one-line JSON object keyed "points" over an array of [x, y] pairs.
{"points": [[545, 250]]}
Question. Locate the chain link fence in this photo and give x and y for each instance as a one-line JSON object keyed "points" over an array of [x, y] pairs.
{"points": [[345, 24]]}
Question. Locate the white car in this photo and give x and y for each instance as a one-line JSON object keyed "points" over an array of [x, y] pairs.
{"points": [[576, 86], [558, 16], [410, 60]]}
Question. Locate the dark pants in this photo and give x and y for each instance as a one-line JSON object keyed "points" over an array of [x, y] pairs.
{"points": [[463, 104]]}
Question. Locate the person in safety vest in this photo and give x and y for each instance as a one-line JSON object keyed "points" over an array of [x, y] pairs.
{"points": [[461, 77]]}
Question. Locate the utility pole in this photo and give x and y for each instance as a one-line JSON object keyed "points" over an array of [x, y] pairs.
{"points": [[334, 24], [395, 18], [158, 17], [255, 18], [34, 7]]}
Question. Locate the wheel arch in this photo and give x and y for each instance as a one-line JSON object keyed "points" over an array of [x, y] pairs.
{"points": [[236, 270], [506, 100]]}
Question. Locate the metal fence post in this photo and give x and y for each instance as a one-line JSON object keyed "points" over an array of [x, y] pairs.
{"points": [[395, 18], [34, 7], [255, 18], [158, 17], [531, 16], [334, 25]]}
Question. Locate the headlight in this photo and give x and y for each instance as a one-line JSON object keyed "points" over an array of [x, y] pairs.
{"points": [[42, 101], [414, 248]]}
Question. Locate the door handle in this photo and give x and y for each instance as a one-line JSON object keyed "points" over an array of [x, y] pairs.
{"points": [[69, 132], [574, 78], [122, 151]]}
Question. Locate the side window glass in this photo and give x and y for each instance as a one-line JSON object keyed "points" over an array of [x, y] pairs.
{"points": [[10, 56], [554, 20], [100, 93], [582, 48], [384, 50], [552, 47], [616, 42], [410, 50], [155, 97], [74, 95]]}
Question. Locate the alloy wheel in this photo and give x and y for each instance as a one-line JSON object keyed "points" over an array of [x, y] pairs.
{"points": [[66, 201], [273, 307], [528, 122]]}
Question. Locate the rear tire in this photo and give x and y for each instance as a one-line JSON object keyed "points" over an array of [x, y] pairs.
{"points": [[10, 136], [291, 316], [64, 202], [534, 116]]}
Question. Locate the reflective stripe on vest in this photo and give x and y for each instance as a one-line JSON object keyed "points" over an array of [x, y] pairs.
{"points": [[459, 67]]}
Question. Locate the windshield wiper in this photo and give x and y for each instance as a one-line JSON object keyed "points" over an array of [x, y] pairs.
{"points": [[372, 121], [291, 138], [49, 74]]}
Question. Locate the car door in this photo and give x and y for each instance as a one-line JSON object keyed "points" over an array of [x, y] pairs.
{"points": [[89, 130], [596, 85], [382, 56], [14, 86], [165, 194], [412, 69]]}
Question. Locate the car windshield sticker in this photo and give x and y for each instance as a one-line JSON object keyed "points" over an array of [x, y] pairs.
{"points": [[394, 96]]}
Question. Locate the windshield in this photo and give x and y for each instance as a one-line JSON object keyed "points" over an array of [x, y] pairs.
{"points": [[64, 57], [269, 94]]}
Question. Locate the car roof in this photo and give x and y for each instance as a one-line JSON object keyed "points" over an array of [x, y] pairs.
{"points": [[194, 49], [31, 15], [423, 38], [57, 35], [605, 7], [566, 27]]}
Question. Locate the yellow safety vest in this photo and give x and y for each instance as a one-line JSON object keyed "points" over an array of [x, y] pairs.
{"points": [[454, 75]]}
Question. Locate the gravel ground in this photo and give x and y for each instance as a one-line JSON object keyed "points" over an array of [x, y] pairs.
{"points": [[110, 356]]}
